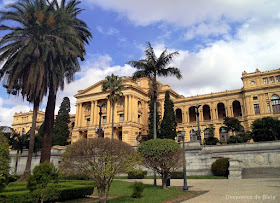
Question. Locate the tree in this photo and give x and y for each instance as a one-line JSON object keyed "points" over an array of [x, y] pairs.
{"points": [[61, 130], [66, 46], [162, 155], [22, 54], [43, 174], [153, 66], [4, 161], [168, 123], [100, 159], [266, 129], [113, 84], [151, 119], [233, 124]]}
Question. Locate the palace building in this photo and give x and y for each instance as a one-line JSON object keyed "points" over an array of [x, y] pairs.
{"points": [[258, 97], [22, 122]]}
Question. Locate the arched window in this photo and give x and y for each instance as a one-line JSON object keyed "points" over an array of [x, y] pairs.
{"points": [[275, 101], [122, 103], [178, 115]]}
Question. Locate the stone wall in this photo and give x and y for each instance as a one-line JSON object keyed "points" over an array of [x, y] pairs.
{"points": [[249, 159], [262, 155], [55, 158]]}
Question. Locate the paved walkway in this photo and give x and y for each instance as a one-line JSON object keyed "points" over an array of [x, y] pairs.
{"points": [[224, 190]]}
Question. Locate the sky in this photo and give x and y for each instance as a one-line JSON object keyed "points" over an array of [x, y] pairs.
{"points": [[216, 39]]}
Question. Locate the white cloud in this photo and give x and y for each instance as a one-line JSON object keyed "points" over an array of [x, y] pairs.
{"points": [[107, 31], [188, 13]]}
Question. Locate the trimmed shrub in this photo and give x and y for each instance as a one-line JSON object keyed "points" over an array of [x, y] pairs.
{"points": [[64, 191], [211, 141], [74, 177], [177, 175], [240, 138], [137, 174], [138, 188], [220, 167]]}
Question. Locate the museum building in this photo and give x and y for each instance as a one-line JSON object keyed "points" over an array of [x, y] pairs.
{"points": [[258, 97]]}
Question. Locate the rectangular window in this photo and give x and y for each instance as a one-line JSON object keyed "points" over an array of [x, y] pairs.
{"points": [[104, 119], [121, 117], [265, 81], [139, 118], [271, 79], [257, 108], [278, 78], [88, 122], [268, 107], [255, 98]]}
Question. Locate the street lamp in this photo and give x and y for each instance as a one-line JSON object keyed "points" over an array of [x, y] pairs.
{"points": [[100, 114], [198, 128], [185, 187]]}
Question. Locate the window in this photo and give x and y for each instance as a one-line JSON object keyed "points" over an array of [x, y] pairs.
{"points": [[271, 79], [278, 78], [121, 117], [104, 119], [138, 83], [257, 108], [265, 81], [122, 103], [88, 122], [275, 101], [139, 118], [268, 107], [255, 98]]}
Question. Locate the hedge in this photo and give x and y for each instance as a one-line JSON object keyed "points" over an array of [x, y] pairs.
{"points": [[220, 167], [66, 191], [137, 174]]}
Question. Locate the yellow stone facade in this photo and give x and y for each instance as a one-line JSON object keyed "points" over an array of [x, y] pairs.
{"points": [[258, 97], [22, 122]]}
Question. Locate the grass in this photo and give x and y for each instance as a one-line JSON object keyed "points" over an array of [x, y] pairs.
{"points": [[121, 191], [188, 177]]}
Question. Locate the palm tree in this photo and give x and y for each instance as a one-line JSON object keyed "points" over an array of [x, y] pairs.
{"points": [[23, 66], [153, 66], [113, 84], [68, 44], [41, 49]]}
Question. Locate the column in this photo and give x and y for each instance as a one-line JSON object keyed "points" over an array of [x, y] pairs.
{"points": [[108, 111], [129, 107], [96, 113], [125, 108], [77, 114], [91, 113], [81, 115]]}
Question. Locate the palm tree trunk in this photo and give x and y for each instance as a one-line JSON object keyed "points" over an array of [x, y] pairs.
{"points": [[32, 139], [48, 126], [113, 113], [16, 165], [155, 117]]}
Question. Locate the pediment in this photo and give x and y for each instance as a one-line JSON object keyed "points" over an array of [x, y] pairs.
{"points": [[96, 88]]}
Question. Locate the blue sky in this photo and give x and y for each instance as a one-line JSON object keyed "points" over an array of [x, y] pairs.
{"points": [[217, 40]]}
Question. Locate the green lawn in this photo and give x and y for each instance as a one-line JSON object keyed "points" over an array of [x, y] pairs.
{"points": [[121, 191], [188, 177]]}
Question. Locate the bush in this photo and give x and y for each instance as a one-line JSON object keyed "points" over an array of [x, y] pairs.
{"points": [[74, 177], [63, 191], [240, 138], [137, 174], [4, 162], [177, 175], [220, 167], [13, 178], [138, 188], [211, 141]]}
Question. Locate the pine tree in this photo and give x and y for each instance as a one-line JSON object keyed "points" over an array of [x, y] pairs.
{"points": [[168, 124], [60, 129], [151, 119]]}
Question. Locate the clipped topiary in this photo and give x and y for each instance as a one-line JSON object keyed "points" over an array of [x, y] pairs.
{"points": [[220, 167]]}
